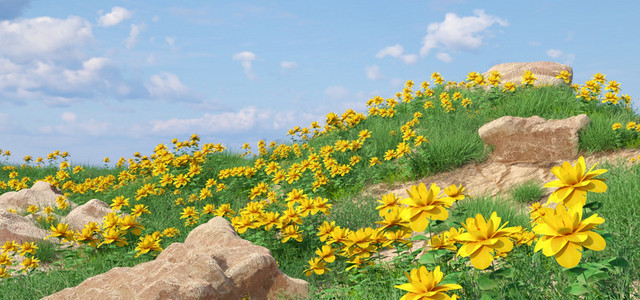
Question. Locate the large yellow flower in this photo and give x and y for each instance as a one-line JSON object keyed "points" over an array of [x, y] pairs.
{"points": [[573, 183], [423, 206], [564, 233], [424, 285], [483, 238]]}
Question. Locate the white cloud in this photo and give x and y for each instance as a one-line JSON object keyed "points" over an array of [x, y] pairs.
{"points": [[410, 59], [533, 43], [336, 92], [155, 18], [133, 34], [91, 128], [394, 51], [445, 57], [566, 58], [554, 53], [373, 73], [249, 119], [151, 58], [223, 122], [117, 15], [246, 57], [68, 116], [168, 86], [57, 39], [288, 65], [457, 33]]}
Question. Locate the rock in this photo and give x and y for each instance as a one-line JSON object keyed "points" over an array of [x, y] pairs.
{"points": [[19, 229], [41, 194], [544, 71], [92, 211], [212, 263], [533, 139]]}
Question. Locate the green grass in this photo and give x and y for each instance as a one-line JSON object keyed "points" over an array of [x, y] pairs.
{"points": [[453, 142]]}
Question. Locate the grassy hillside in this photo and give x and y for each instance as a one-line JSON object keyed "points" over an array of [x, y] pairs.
{"points": [[303, 199]]}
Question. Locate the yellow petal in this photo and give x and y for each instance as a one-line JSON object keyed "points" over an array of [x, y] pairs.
{"points": [[569, 256], [594, 242], [482, 258]]}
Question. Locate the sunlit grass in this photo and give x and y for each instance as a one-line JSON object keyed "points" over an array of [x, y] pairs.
{"points": [[404, 138]]}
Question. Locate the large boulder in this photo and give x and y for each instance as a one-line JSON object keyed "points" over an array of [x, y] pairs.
{"points": [[534, 139], [41, 194], [544, 71], [212, 263], [19, 229]]}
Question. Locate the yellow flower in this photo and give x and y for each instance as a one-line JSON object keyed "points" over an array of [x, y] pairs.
{"points": [[318, 266], [291, 232], [564, 233], [326, 253], [573, 183], [424, 285], [483, 238], [423, 206]]}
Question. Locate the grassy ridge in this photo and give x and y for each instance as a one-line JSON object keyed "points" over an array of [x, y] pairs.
{"points": [[338, 177]]}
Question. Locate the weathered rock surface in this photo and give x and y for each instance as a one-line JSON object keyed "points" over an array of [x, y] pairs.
{"points": [[14, 227], [533, 139], [212, 263], [493, 179], [41, 194], [544, 71]]}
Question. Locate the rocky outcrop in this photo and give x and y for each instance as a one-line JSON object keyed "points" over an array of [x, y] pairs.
{"points": [[212, 263], [533, 139]]}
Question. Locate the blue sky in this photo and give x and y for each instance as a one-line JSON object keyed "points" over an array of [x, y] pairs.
{"points": [[109, 78]]}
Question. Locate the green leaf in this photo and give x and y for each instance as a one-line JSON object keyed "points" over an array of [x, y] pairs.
{"points": [[485, 282], [577, 289], [575, 271], [419, 238], [617, 262], [427, 259]]}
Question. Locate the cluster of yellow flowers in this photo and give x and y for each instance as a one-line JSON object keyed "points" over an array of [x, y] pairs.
{"points": [[165, 173]]}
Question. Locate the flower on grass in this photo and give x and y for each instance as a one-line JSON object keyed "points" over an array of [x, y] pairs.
{"points": [[482, 238], [564, 233], [318, 266], [149, 242], [423, 206], [326, 253], [291, 232], [573, 184], [425, 285]]}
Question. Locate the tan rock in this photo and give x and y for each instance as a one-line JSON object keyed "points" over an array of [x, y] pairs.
{"points": [[92, 211], [41, 194], [212, 263], [544, 71], [533, 139]]}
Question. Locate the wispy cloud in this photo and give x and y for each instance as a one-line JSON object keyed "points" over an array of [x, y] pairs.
{"points": [[457, 33], [167, 86], [133, 34], [566, 58], [373, 73], [396, 51], [246, 58], [117, 15]]}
